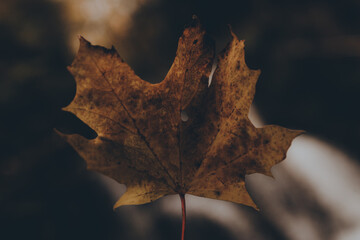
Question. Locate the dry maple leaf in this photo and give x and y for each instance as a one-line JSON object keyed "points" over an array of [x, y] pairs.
{"points": [[180, 136]]}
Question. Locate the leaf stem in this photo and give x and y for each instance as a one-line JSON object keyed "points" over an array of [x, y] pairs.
{"points": [[183, 208]]}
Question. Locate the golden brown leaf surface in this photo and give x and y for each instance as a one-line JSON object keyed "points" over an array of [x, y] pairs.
{"points": [[144, 143]]}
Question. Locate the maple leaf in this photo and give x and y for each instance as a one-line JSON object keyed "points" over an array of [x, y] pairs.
{"points": [[179, 136]]}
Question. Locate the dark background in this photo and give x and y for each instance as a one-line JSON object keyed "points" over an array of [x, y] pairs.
{"points": [[308, 51]]}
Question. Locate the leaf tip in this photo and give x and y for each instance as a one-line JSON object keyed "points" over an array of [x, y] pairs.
{"points": [[195, 20], [297, 133], [117, 204], [195, 23], [267, 172], [81, 38], [59, 133], [83, 41], [235, 40], [66, 109], [233, 35], [69, 68]]}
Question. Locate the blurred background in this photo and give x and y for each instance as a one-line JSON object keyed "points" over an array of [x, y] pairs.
{"points": [[309, 54]]}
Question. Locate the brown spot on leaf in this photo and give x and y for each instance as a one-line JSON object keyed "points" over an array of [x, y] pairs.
{"points": [[238, 65]]}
